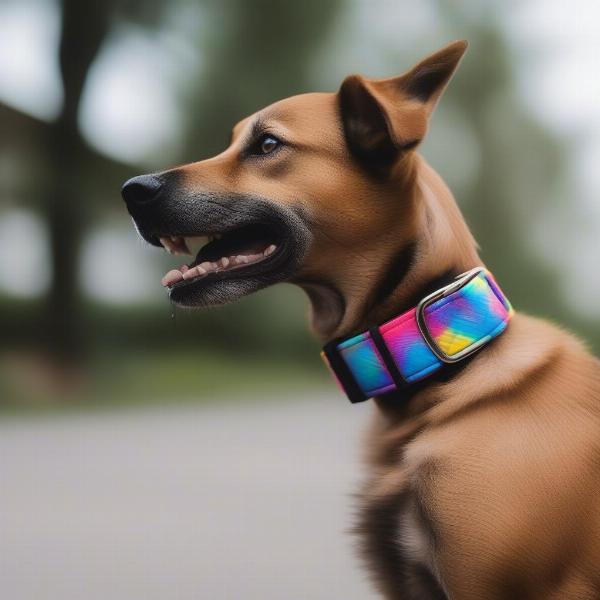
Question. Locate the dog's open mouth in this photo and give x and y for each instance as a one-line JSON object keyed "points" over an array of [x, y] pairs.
{"points": [[236, 244], [229, 253]]}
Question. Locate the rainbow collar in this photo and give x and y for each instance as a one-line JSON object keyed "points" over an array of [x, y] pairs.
{"points": [[445, 327]]}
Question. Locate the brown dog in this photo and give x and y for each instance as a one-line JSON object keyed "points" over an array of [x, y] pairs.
{"points": [[484, 480]]}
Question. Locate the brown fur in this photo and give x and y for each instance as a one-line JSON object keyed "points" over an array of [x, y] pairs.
{"points": [[482, 486]]}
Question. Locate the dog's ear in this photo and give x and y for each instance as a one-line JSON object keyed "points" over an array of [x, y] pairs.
{"points": [[385, 117]]}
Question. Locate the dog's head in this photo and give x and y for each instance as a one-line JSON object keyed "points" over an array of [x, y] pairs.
{"points": [[315, 189]]}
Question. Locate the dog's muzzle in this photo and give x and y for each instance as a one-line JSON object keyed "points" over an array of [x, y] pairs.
{"points": [[238, 243]]}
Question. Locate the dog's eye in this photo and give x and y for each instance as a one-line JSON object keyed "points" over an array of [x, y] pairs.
{"points": [[262, 145], [267, 144]]}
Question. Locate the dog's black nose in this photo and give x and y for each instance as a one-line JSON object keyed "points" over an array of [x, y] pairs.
{"points": [[141, 189]]}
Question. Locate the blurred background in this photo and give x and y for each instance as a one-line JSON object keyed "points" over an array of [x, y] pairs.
{"points": [[147, 452]]}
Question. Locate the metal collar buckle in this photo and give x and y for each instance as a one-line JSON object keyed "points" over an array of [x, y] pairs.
{"points": [[461, 282]]}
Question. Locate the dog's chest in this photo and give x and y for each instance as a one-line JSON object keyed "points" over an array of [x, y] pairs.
{"points": [[397, 523], [412, 538], [398, 545]]}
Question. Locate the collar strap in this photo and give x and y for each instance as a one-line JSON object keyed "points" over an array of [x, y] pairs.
{"points": [[445, 327]]}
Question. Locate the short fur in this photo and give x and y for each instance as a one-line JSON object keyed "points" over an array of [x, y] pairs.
{"points": [[483, 484]]}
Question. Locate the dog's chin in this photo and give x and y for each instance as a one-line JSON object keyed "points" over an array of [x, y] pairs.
{"points": [[203, 294]]}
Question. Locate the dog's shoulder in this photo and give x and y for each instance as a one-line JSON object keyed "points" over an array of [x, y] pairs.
{"points": [[530, 357], [510, 435]]}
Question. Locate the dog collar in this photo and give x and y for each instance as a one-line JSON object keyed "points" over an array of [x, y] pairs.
{"points": [[445, 327]]}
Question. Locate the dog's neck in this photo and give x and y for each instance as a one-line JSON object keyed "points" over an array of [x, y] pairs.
{"points": [[396, 276]]}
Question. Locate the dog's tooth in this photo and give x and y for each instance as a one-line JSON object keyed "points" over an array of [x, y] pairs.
{"points": [[270, 250], [206, 266], [166, 242], [191, 273], [194, 272], [242, 259], [184, 246], [181, 246], [173, 245], [172, 277], [224, 262], [195, 244]]}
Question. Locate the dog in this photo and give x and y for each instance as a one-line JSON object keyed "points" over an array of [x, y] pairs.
{"points": [[483, 477]]}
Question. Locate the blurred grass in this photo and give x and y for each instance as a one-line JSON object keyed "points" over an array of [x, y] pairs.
{"points": [[28, 383], [144, 354]]}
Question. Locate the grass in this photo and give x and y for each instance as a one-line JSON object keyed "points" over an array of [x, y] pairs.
{"points": [[26, 384]]}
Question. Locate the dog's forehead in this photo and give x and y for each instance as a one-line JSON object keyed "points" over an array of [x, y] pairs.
{"points": [[302, 109], [303, 114]]}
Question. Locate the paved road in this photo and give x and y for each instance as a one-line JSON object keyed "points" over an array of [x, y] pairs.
{"points": [[187, 502]]}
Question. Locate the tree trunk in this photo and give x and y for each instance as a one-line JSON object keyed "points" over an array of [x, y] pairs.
{"points": [[84, 27]]}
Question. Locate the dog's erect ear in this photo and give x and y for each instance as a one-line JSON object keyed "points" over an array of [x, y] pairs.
{"points": [[384, 117], [428, 79]]}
